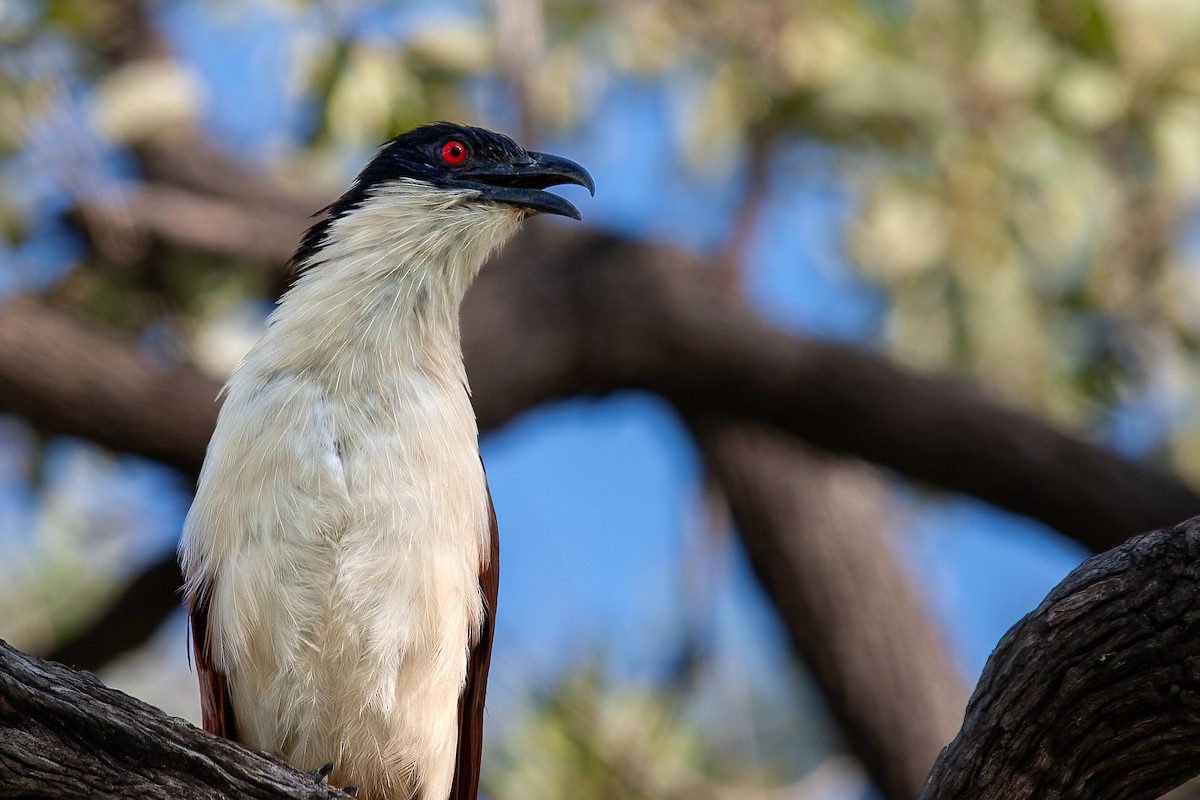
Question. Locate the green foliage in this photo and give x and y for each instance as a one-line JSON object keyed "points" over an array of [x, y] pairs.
{"points": [[368, 89], [585, 737], [72, 560], [1022, 170]]}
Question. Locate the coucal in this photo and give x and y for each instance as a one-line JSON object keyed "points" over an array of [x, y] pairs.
{"points": [[341, 553]]}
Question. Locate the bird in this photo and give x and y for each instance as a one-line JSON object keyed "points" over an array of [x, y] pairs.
{"points": [[341, 555]]}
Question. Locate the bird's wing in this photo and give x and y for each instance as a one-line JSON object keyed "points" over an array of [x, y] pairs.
{"points": [[470, 703], [215, 705]]}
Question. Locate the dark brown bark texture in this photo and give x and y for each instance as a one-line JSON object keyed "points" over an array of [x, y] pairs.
{"points": [[1095, 695], [63, 734]]}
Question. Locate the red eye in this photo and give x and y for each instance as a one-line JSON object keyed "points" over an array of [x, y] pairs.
{"points": [[454, 152]]}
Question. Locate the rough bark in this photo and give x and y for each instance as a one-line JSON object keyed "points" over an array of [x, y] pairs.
{"points": [[1095, 695], [875, 654], [65, 735]]}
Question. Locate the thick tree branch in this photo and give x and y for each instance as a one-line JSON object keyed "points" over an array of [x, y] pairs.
{"points": [[63, 734], [564, 311], [875, 654], [1096, 694], [69, 377]]}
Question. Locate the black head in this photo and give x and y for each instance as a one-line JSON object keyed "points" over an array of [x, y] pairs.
{"points": [[460, 157], [453, 156]]}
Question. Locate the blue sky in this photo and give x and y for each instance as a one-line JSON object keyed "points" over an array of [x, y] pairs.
{"points": [[597, 498]]}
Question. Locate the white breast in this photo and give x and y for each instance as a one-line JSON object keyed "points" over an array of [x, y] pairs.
{"points": [[346, 572]]}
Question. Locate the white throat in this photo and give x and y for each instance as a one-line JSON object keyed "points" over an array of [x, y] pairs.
{"points": [[390, 278]]}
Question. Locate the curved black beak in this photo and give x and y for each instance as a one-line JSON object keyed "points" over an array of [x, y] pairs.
{"points": [[520, 182]]}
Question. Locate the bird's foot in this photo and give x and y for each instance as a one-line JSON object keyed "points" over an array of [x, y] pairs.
{"points": [[321, 776]]}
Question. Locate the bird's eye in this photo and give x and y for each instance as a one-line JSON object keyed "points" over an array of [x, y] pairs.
{"points": [[454, 152]]}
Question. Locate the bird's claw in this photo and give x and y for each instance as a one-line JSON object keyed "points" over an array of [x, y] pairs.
{"points": [[321, 774]]}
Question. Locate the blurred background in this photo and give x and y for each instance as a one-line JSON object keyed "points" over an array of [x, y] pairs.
{"points": [[766, 560]]}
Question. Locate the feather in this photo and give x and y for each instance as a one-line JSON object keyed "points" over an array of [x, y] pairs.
{"points": [[470, 704], [215, 706]]}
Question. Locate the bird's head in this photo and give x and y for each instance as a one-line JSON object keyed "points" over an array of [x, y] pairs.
{"points": [[459, 158], [448, 180]]}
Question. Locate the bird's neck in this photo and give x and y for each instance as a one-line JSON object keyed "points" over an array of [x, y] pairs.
{"points": [[386, 285]]}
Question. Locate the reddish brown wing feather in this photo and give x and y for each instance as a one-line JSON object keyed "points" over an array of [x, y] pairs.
{"points": [[470, 704], [215, 706]]}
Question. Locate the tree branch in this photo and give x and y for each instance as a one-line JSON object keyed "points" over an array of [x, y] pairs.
{"points": [[562, 312], [876, 654], [66, 376], [1096, 694], [63, 734], [607, 312], [130, 619]]}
